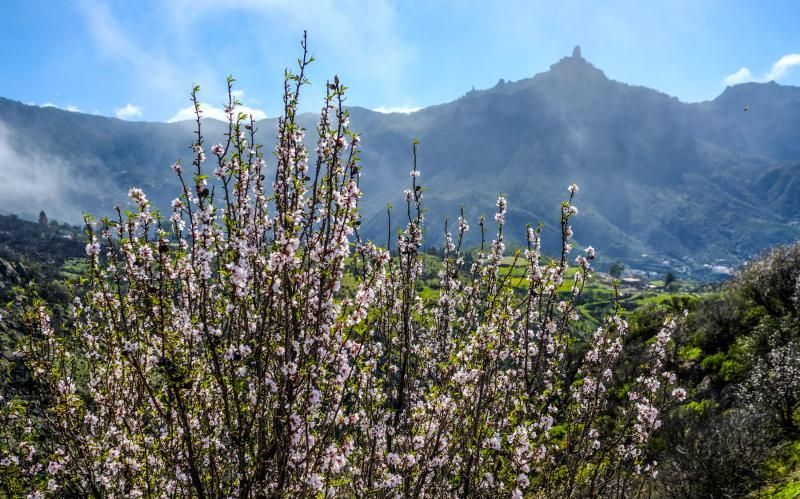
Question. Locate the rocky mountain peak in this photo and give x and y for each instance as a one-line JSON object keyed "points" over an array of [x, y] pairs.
{"points": [[575, 66]]}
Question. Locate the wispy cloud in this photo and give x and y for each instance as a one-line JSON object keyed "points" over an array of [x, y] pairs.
{"points": [[779, 71], [153, 70], [216, 113], [363, 31], [128, 111], [397, 109], [165, 64]]}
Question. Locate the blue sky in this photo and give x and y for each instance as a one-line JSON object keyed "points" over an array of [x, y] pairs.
{"points": [[138, 59]]}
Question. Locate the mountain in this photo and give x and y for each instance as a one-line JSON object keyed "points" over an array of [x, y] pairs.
{"points": [[705, 183]]}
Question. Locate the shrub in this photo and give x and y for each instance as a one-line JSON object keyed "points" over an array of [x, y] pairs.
{"points": [[773, 385], [773, 280], [716, 454]]}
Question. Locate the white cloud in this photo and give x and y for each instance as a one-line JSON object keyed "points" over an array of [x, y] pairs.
{"points": [[70, 107], [213, 112], [128, 112], [782, 66], [397, 109], [779, 70], [742, 76]]}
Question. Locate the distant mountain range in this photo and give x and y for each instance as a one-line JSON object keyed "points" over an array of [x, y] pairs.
{"points": [[685, 184]]}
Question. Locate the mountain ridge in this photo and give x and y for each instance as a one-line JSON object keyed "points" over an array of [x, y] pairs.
{"points": [[689, 182]]}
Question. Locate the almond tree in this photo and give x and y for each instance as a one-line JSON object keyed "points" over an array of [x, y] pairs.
{"points": [[216, 353]]}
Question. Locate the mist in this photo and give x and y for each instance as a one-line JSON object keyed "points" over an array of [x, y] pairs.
{"points": [[31, 181]]}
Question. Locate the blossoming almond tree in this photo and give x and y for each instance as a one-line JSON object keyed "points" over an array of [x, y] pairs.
{"points": [[214, 353]]}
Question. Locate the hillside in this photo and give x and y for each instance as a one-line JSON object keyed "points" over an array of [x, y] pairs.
{"points": [[659, 177]]}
